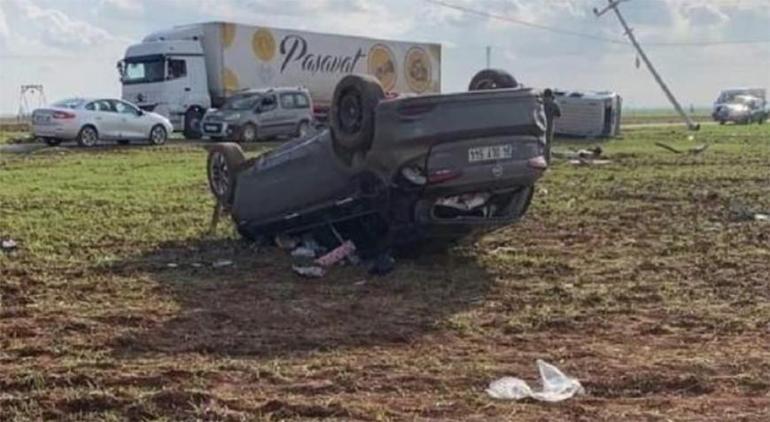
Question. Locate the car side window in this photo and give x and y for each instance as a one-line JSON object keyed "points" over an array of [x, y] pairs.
{"points": [[104, 106], [92, 106], [301, 101], [287, 101], [269, 103], [124, 108]]}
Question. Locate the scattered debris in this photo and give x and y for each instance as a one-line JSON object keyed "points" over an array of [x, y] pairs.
{"points": [[309, 271], [8, 245], [692, 151], [741, 212], [172, 265], [556, 386], [337, 255], [197, 265], [222, 263], [303, 252], [586, 162]]}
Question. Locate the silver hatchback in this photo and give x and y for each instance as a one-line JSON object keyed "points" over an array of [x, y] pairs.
{"points": [[255, 115]]}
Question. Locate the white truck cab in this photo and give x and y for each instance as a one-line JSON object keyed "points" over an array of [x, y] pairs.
{"points": [[166, 74]]}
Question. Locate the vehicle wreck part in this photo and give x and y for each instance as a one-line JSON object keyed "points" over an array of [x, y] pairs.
{"points": [[224, 162], [492, 79], [8, 245], [556, 386], [352, 113], [337, 255], [310, 272]]}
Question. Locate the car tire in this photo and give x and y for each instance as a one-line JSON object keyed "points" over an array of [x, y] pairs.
{"points": [[88, 136], [123, 142], [158, 135], [222, 167], [352, 113], [492, 79], [192, 123], [249, 133], [303, 128], [52, 142]]}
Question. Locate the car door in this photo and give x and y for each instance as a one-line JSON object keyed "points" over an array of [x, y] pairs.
{"points": [[102, 114], [131, 122], [287, 113], [269, 117]]}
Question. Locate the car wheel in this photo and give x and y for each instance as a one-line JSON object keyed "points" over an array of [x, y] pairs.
{"points": [[492, 79], [158, 135], [88, 136], [303, 129], [249, 133], [224, 162], [52, 142], [192, 123], [352, 113], [123, 142]]}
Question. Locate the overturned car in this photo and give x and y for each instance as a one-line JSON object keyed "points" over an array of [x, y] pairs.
{"points": [[395, 170]]}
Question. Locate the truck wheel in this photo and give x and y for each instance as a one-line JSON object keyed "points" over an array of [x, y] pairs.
{"points": [[249, 133], [492, 79], [352, 113], [192, 123], [224, 162]]}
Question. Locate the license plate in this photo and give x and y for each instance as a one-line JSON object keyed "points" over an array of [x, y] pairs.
{"points": [[42, 119], [211, 128], [498, 152]]}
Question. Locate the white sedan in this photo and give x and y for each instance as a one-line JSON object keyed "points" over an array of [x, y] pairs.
{"points": [[89, 121]]}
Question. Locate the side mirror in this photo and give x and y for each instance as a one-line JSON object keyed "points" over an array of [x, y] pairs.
{"points": [[141, 112]]}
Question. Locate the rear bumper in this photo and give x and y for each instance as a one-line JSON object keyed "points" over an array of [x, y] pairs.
{"points": [[58, 131]]}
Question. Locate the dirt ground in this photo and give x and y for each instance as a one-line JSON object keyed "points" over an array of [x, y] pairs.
{"points": [[641, 278]]}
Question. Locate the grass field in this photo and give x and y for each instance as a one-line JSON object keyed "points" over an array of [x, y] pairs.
{"points": [[632, 277]]}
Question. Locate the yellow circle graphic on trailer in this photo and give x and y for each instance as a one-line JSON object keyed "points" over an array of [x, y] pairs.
{"points": [[228, 34], [263, 45], [418, 70], [231, 81], [382, 64]]}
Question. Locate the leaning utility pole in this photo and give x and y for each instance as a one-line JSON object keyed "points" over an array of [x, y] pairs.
{"points": [[613, 5]]}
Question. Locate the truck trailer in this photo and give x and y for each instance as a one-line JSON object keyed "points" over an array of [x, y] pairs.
{"points": [[182, 72]]}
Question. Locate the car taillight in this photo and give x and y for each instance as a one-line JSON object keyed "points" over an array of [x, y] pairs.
{"points": [[444, 175], [63, 115]]}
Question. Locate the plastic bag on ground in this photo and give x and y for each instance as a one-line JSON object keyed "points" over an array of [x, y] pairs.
{"points": [[556, 386]]}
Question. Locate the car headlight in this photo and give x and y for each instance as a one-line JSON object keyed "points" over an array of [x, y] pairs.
{"points": [[232, 117]]}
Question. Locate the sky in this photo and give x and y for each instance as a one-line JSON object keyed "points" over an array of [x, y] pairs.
{"points": [[71, 46]]}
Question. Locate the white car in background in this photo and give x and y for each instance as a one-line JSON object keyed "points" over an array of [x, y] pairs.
{"points": [[89, 121]]}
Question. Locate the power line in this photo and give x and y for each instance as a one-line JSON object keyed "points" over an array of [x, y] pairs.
{"points": [[489, 15]]}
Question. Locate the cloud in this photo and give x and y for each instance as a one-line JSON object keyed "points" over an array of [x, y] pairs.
{"points": [[60, 30]]}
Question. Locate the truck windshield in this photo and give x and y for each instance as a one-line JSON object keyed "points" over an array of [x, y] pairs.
{"points": [[143, 70], [242, 102]]}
